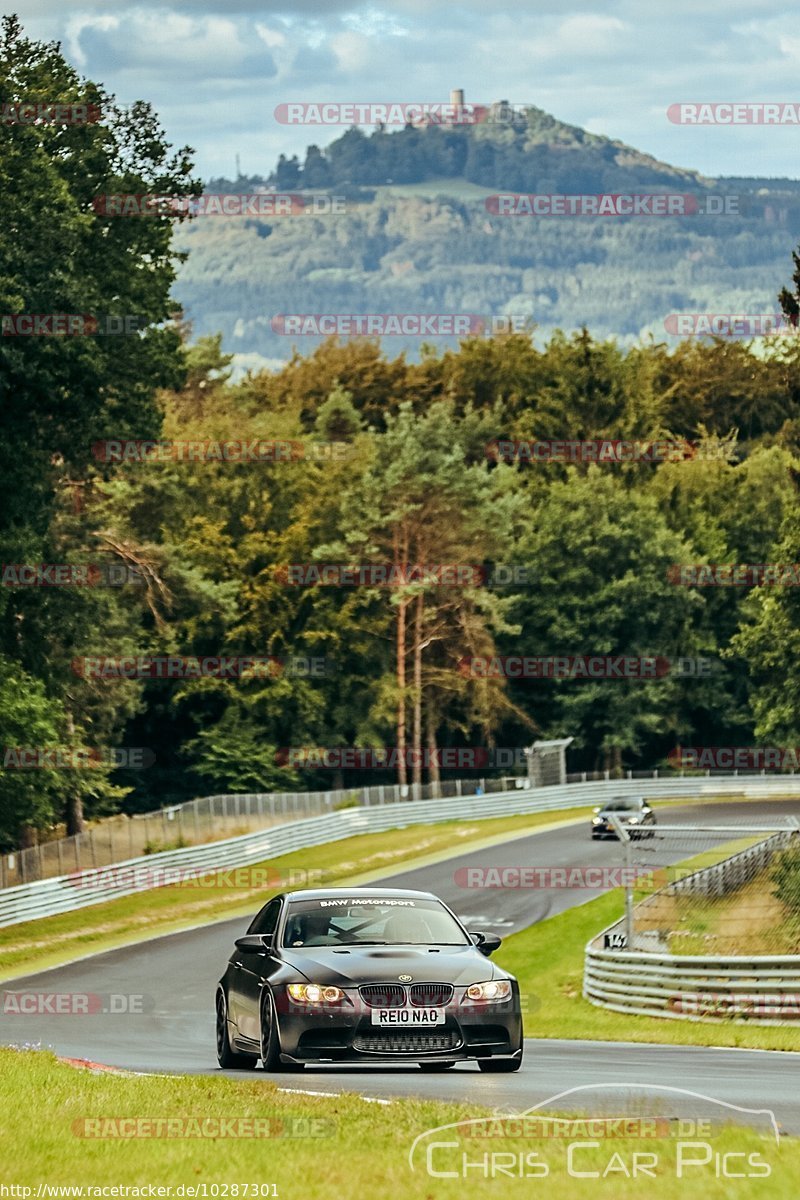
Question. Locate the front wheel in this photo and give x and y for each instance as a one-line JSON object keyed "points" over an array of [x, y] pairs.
{"points": [[500, 1065], [270, 1040], [227, 1058]]}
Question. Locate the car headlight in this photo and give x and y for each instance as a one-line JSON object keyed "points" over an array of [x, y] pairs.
{"points": [[493, 989], [633, 820], [314, 993], [597, 820]]}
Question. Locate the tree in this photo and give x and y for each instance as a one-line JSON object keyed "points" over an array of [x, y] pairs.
{"points": [[287, 173], [597, 555], [29, 799], [316, 171], [61, 394], [419, 506]]}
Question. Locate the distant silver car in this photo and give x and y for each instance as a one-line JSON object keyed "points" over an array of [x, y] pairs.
{"points": [[632, 811]]}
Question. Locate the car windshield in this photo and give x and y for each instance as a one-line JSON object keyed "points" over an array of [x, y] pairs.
{"points": [[622, 806], [367, 922]]}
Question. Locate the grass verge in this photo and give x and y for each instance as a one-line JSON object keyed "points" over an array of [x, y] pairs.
{"points": [[361, 1148]]}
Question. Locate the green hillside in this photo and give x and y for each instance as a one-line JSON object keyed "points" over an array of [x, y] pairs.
{"points": [[416, 236]]}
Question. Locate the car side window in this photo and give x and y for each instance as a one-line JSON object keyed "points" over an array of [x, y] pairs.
{"points": [[266, 921]]}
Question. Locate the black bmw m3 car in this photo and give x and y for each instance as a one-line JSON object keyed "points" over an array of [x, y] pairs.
{"points": [[365, 975]]}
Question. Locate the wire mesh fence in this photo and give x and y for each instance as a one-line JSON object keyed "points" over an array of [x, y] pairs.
{"points": [[731, 889], [210, 819]]}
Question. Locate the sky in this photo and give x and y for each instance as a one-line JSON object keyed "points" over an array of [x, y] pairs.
{"points": [[215, 70]]}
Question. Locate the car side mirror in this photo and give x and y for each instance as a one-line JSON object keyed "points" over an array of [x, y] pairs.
{"points": [[253, 942], [487, 943]]}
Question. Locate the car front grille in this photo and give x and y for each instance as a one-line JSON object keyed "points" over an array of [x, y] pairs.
{"points": [[383, 995], [431, 995], [423, 1041]]}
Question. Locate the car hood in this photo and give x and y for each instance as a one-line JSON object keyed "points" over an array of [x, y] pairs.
{"points": [[460, 965]]}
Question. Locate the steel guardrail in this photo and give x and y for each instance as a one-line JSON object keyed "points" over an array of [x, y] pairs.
{"points": [[66, 893], [762, 989]]}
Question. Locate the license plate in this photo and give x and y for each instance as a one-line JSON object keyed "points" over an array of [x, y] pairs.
{"points": [[408, 1017]]}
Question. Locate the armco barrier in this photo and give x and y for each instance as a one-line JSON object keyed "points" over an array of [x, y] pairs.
{"points": [[763, 989], [119, 838], [760, 989], [48, 897]]}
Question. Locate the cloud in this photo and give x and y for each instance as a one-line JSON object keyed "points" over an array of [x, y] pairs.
{"points": [[614, 64]]}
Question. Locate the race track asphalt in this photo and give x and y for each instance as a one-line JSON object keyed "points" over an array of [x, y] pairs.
{"points": [[176, 977]]}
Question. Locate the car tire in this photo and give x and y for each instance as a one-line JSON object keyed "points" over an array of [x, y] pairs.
{"points": [[436, 1066], [227, 1058], [270, 1041], [498, 1065]]}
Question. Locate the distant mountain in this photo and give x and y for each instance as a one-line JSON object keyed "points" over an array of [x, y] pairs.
{"points": [[420, 234], [523, 151]]}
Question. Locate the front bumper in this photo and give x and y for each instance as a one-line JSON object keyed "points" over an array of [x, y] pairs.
{"points": [[634, 829], [345, 1033]]}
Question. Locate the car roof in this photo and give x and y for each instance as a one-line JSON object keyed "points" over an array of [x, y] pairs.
{"points": [[355, 892]]}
